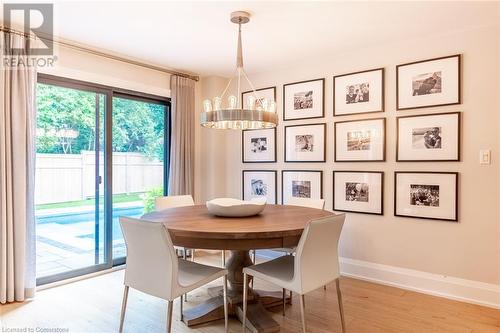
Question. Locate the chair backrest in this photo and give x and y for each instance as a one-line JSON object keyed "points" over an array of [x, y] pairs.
{"points": [[306, 202], [173, 201], [317, 259], [152, 265]]}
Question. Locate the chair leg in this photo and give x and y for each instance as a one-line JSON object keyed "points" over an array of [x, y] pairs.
{"points": [[284, 301], [254, 257], [245, 291], [170, 305], [290, 254], [192, 254], [302, 313], [224, 292], [181, 306], [184, 256], [223, 258], [124, 307], [341, 306]]}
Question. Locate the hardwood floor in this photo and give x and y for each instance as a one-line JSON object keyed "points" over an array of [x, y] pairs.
{"points": [[93, 306]]}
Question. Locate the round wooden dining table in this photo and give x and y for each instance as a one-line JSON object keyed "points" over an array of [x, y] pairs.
{"points": [[278, 226]]}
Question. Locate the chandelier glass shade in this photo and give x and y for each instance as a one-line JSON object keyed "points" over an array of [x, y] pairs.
{"points": [[231, 112]]}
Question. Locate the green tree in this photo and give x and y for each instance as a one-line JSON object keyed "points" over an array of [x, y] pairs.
{"points": [[62, 109], [137, 126]]}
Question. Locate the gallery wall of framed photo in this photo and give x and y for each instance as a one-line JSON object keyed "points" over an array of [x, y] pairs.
{"points": [[422, 137], [427, 134]]}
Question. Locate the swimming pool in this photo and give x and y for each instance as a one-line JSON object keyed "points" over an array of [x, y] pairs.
{"points": [[88, 217]]}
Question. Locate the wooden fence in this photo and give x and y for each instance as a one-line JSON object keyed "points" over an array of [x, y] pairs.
{"points": [[71, 177]]}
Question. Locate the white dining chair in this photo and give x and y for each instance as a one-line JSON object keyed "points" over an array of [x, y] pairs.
{"points": [[303, 202], [173, 201], [152, 267], [316, 263]]}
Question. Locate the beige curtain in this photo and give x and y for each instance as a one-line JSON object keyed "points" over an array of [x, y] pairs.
{"points": [[181, 177], [17, 169]]}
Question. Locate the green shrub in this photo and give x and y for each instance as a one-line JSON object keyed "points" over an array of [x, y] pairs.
{"points": [[149, 198]]}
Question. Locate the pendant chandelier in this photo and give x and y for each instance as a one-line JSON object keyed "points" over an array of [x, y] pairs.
{"points": [[254, 113]]}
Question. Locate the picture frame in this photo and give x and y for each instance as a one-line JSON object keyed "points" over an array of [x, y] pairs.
{"points": [[426, 195], [358, 192], [305, 143], [301, 183], [304, 100], [269, 93], [359, 92], [420, 84], [428, 138], [258, 146], [258, 184], [361, 140]]}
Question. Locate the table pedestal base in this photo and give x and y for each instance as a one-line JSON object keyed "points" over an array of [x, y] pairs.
{"points": [[258, 318]]}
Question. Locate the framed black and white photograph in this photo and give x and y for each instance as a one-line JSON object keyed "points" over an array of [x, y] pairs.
{"points": [[434, 137], [428, 83], [360, 140], [305, 143], [252, 100], [304, 100], [260, 184], [426, 195], [301, 184], [359, 92], [358, 192], [259, 146]]}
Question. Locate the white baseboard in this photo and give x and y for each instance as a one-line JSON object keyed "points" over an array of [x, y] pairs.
{"points": [[469, 291]]}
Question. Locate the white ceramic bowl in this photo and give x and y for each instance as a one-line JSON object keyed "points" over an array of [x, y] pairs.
{"points": [[229, 207]]}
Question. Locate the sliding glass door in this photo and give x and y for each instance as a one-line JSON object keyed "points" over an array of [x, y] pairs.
{"points": [[139, 142], [68, 189], [101, 153]]}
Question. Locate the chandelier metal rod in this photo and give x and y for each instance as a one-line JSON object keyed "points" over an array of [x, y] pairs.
{"points": [[239, 54], [252, 87], [227, 86]]}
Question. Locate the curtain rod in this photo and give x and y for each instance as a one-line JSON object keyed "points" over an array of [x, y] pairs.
{"points": [[100, 53]]}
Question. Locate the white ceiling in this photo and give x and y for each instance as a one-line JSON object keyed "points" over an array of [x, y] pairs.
{"points": [[198, 37]]}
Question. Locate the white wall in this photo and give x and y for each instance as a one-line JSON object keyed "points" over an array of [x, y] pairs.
{"points": [[210, 150], [84, 66], [469, 249]]}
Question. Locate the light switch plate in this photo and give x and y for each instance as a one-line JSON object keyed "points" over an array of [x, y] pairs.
{"points": [[485, 156]]}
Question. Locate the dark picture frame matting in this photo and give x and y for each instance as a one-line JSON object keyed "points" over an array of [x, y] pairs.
{"points": [[458, 87], [454, 195], [381, 194], [273, 172], [244, 158], [336, 158], [320, 172], [271, 89], [458, 138], [382, 92], [285, 118], [287, 158]]}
